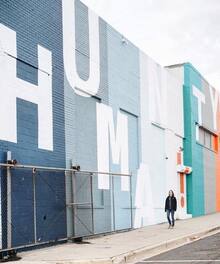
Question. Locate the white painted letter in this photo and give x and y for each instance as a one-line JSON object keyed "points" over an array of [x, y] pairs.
{"points": [[118, 142], [214, 101], [81, 87], [201, 99], [12, 87], [157, 92]]}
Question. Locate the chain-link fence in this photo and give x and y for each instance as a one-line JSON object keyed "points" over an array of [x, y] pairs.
{"points": [[46, 205], [33, 206], [98, 210]]}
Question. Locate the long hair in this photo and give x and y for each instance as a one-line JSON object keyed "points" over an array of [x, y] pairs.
{"points": [[172, 193]]}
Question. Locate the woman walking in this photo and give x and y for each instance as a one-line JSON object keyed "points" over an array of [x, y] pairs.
{"points": [[170, 208]]}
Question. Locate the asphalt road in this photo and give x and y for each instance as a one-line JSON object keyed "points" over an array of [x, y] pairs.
{"points": [[206, 250]]}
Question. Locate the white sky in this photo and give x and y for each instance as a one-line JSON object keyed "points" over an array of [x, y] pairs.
{"points": [[170, 31]]}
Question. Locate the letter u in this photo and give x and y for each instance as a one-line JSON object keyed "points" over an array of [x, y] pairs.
{"points": [[89, 87]]}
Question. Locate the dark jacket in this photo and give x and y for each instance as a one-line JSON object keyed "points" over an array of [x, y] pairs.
{"points": [[173, 203]]}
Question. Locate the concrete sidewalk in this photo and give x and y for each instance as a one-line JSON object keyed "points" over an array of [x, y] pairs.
{"points": [[125, 247]]}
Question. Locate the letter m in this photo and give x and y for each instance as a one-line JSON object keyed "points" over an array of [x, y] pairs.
{"points": [[118, 141]]}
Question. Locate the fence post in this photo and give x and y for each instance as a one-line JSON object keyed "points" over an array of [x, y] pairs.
{"points": [[131, 200], [113, 201], [73, 201], [69, 200], [9, 229], [92, 207], [34, 198]]}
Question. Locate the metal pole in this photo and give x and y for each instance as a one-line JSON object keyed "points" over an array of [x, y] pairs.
{"points": [[131, 202], [74, 204], [9, 229], [92, 207], [69, 201], [34, 200], [113, 202], [20, 166], [73, 201]]}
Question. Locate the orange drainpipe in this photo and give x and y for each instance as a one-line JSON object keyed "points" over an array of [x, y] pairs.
{"points": [[182, 187]]}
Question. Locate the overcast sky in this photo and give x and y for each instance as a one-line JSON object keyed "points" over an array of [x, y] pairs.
{"points": [[170, 31]]}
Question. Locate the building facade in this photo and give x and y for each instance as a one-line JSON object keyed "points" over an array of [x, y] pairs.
{"points": [[201, 143], [74, 91]]}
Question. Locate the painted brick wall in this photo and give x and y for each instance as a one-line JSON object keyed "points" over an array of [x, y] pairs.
{"points": [[195, 180], [155, 132], [36, 22]]}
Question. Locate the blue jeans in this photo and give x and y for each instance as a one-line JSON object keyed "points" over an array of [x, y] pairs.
{"points": [[170, 212]]}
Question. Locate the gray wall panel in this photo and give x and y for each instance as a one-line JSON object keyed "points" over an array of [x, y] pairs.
{"points": [[209, 181]]}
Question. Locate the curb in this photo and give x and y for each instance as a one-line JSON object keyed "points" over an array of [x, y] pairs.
{"points": [[161, 247], [134, 255]]}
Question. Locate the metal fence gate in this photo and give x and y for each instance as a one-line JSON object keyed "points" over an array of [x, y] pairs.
{"points": [[95, 210], [33, 205], [42, 205]]}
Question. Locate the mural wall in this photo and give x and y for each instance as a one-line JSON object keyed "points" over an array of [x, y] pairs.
{"points": [[32, 115], [75, 91], [201, 143]]}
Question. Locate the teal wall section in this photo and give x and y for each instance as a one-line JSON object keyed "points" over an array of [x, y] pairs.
{"points": [[193, 153]]}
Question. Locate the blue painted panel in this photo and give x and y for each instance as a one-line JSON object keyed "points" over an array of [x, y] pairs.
{"points": [[36, 22], [124, 92], [122, 199]]}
